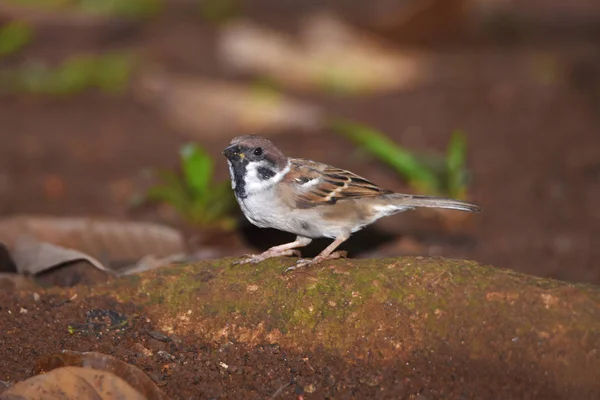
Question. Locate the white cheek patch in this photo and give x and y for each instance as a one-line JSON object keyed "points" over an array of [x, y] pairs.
{"points": [[255, 184], [231, 174]]}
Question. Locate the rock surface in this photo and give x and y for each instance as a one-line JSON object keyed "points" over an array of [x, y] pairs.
{"points": [[386, 310], [456, 328]]}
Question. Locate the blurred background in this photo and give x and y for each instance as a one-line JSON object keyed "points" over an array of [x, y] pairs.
{"points": [[120, 109]]}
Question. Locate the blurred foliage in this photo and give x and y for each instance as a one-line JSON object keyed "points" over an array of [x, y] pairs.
{"points": [[129, 8], [109, 72], [339, 81], [440, 175], [265, 90], [14, 36], [456, 172], [219, 11], [545, 69], [194, 194]]}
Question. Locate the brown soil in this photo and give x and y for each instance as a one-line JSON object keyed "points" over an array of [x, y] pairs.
{"points": [[534, 150]]}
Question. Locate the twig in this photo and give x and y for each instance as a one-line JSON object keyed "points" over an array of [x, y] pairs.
{"points": [[281, 389]]}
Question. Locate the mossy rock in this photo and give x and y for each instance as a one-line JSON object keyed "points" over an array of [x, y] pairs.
{"points": [[385, 310]]}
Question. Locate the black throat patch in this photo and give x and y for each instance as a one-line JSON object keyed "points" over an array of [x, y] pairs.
{"points": [[238, 173]]}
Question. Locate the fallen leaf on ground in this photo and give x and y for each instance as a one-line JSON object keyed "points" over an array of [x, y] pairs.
{"points": [[33, 257], [71, 273], [422, 21], [6, 262], [204, 107], [39, 244], [72, 383], [103, 362], [329, 55]]}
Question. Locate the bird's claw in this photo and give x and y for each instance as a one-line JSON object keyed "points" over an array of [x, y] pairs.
{"points": [[305, 262], [296, 253], [246, 259], [301, 263], [242, 261], [257, 258]]}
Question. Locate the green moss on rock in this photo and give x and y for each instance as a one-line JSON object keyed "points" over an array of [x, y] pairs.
{"points": [[379, 309]]}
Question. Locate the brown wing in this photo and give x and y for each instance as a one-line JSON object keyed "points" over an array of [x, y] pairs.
{"points": [[320, 184]]}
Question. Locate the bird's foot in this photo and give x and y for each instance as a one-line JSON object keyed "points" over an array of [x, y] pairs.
{"points": [[256, 258], [304, 262]]}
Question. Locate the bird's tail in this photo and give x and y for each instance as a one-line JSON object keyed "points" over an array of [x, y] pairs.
{"points": [[413, 201]]}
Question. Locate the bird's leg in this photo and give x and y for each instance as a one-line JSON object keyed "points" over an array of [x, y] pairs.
{"points": [[327, 254], [282, 250]]}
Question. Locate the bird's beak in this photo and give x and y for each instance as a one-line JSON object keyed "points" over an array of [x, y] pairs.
{"points": [[232, 151]]}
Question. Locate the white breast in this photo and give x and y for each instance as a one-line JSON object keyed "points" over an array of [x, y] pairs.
{"points": [[262, 209], [261, 205]]}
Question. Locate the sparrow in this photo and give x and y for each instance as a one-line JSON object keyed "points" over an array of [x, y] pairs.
{"points": [[310, 199]]}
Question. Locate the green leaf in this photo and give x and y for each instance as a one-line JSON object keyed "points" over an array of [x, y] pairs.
{"points": [[166, 194], [113, 71], [172, 191], [402, 160], [193, 194], [219, 11], [221, 200], [456, 155], [74, 75], [13, 36], [110, 72], [197, 168], [457, 151]]}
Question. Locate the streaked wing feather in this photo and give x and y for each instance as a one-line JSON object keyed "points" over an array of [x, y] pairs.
{"points": [[321, 184]]}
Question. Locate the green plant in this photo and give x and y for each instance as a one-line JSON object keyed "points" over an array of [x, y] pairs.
{"points": [[193, 193], [219, 11], [14, 36], [457, 174], [336, 80], [432, 174], [109, 72], [127, 8]]}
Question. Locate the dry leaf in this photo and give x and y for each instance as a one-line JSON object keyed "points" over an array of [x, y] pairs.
{"points": [[71, 273], [420, 21], [38, 244], [330, 54], [7, 264], [204, 107], [33, 257], [72, 383], [103, 362]]}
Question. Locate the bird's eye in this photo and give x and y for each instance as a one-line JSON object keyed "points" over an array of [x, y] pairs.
{"points": [[258, 151]]}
